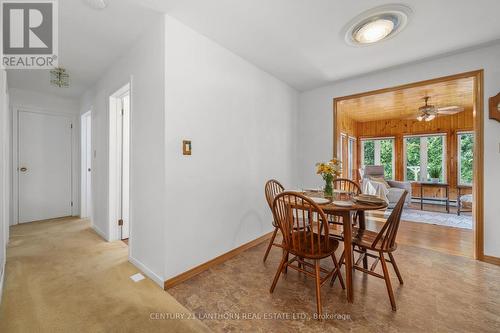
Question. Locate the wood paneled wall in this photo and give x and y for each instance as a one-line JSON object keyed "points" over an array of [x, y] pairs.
{"points": [[398, 128], [348, 126]]}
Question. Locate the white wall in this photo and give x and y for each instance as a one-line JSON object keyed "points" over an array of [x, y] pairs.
{"points": [[241, 121], [5, 182], [144, 63], [316, 121], [35, 101]]}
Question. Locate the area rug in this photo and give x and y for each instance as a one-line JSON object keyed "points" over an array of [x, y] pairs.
{"points": [[444, 219]]}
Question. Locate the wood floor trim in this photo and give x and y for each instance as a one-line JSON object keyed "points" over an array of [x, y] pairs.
{"points": [[491, 260], [214, 262]]}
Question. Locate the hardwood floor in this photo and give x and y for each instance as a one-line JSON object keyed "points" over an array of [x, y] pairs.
{"points": [[455, 241]]}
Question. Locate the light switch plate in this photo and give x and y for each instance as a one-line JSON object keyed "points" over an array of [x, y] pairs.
{"points": [[186, 147]]}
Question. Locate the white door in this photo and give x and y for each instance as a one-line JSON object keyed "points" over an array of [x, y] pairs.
{"points": [[44, 166], [86, 201]]}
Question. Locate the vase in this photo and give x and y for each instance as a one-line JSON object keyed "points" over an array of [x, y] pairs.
{"points": [[328, 189]]}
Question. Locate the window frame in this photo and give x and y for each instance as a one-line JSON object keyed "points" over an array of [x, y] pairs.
{"points": [[351, 153], [459, 157], [340, 150], [424, 156], [377, 150]]}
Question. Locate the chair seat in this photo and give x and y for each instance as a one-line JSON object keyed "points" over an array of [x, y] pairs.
{"points": [[365, 238], [327, 248]]}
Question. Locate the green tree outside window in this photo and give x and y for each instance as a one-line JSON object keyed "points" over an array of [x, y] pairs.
{"points": [[386, 157], [466, 142], [413, 159], [369, 152]]}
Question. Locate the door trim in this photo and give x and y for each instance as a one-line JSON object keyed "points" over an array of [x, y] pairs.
{"points": [[83, 167], [15, 154], [478, 187], [114, 183]]}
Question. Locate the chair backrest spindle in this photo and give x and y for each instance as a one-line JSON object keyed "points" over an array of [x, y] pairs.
{"points": [[346, 185], [292, 212], [272, 189], [387, 235]]}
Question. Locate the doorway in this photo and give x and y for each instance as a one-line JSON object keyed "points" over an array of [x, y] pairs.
{"points": [[119, 158], [449, 143], [43, 166], [86, 167]]}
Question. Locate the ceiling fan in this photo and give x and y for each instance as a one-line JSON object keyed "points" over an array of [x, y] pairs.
{"points": [[429, 112]]}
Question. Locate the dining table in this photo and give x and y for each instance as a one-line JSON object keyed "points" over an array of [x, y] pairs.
{"points": [[346, 213]]}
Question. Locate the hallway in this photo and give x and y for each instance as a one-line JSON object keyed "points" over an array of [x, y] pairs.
{"points": [[61, 276]]}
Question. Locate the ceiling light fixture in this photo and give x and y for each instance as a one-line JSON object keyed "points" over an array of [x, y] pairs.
{"points": [[97, 4], [377, 24], [59, 78], [430, 117]]}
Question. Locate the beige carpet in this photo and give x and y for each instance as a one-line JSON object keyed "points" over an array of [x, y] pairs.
{"points": [[62, 277]]}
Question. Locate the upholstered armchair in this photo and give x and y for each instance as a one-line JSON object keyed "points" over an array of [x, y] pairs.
{"points": [[373, 182]]}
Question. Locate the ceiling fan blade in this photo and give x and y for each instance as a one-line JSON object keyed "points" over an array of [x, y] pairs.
{"points": [[449, 110], [412, 117]]}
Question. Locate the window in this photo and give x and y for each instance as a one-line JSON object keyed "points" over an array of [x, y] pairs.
{"points": [[412, 159], [425, 157], [465, 158], [351, 150], [379, 151]]}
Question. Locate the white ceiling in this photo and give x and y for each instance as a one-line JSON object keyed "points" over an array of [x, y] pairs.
{"points": [[300, 42], [90, 41]]}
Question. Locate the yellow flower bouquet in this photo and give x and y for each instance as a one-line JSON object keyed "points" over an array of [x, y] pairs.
{"points": [[329, 171]]}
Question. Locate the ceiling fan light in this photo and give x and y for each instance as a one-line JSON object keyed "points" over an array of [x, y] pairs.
{"points": [[420, 118], [430, 117]]}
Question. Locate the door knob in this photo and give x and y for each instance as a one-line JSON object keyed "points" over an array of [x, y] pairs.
{"points": [[88, 170], [23, 169]]}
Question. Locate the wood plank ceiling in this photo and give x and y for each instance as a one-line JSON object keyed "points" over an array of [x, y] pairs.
{"points": [[403, 104]]}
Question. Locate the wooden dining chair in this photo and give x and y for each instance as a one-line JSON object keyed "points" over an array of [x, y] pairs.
{"points": [[376, 245], [290, 210], [272, 189], [350, 186], [347, 185]]}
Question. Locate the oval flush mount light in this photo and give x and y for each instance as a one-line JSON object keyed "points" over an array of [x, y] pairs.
{"points": [[377, 24]]}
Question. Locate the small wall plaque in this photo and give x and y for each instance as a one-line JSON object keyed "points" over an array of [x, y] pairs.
{"points": [[186, 147], [495, 107]]}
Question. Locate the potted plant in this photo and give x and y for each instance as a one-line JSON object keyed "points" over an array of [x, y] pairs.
{"points": [[435, 173], [329, 171]]}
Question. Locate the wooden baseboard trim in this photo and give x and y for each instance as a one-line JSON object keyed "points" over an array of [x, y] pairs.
{"points": [[214, 262], [491, 260]]}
